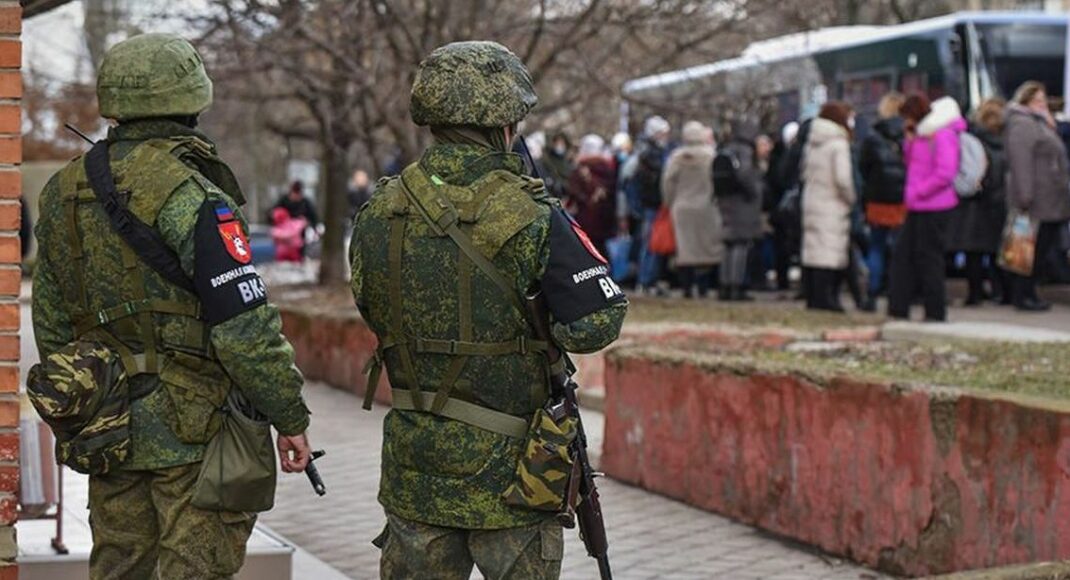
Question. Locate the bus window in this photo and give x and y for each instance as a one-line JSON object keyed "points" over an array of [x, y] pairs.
{"points": [[1020, 52], [910, 83], [864, 93], [789, 107]]}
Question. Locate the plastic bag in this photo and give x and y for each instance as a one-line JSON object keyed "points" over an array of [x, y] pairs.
{"points": [[1017, 253], [619, 250], [662, 236]]}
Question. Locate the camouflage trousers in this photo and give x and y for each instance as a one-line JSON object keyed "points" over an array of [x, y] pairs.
{"points": [[413, 550], [144, 528]]}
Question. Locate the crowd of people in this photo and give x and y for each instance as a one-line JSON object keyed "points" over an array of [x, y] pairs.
{"points": [[923, 192]]}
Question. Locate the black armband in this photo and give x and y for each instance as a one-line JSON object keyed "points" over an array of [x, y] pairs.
{"points": [[577, 281], [226, 280]]}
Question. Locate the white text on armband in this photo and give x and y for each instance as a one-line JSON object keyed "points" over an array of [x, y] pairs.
{"points": [[589, 273], [232, 275]]}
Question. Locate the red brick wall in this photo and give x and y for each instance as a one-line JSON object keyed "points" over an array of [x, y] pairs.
{"points": [[10, 189]]}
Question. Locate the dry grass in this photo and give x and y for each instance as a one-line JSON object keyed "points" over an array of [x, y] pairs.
{"points": [[1037, 369], [789, 315]]}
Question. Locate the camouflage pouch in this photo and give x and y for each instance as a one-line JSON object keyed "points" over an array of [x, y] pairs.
{"points": [[197, 388], [83, 394], [541, 480]]}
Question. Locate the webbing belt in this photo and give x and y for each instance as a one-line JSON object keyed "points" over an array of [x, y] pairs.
{"points": [[470, 413], [374, 367], [519, 345], [133, 308]]}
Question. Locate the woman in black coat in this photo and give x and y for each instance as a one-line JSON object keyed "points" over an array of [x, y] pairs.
{"points": [[977, 222]]}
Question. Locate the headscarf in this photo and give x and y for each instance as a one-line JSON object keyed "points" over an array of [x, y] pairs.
{"points": [[694, 133], [654, 126], [592, 146], [789, 133]]}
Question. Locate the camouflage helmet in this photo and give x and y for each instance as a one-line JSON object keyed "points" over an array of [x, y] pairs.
{"points": [[153, 75], [472, 83]]}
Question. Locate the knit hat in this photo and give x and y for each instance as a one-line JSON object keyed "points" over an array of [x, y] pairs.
{"points": [[654, 126]]}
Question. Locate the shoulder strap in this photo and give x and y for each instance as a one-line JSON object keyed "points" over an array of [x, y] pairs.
{"points": [[142, 239], [446, 224]]}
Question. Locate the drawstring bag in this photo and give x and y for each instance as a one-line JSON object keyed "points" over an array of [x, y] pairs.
{"points": [[238, 472]]}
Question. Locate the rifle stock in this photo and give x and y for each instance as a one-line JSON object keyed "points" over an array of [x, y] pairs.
{"points": [[583, 492]]}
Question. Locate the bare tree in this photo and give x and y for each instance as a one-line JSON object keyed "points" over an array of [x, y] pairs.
{"points": [[338, 73]]}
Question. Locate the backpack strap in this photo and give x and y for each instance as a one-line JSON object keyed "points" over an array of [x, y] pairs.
{"points": [[394, 252], [444, 219], [142, 239]]}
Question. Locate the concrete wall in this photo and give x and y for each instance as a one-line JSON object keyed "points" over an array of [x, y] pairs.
{"points": [[333, 349], [912, 480]]}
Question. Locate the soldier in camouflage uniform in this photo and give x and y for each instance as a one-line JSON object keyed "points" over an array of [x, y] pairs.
{"points": [[466, 369], [189, 349]]}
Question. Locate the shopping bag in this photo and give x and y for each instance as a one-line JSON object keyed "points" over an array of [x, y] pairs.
{"points": [[619, 250], [662, 236], [1017, 253]]}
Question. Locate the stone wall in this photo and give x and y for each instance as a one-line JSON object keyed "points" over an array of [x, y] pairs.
{"points": [[909, 479]]}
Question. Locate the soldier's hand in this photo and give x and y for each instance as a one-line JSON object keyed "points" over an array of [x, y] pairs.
{"points": [[295, 452]]}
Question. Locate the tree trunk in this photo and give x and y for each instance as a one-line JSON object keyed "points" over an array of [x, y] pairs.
{"points": [[335, 212]]}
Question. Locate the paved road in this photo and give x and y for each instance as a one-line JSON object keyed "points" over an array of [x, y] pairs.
{"points": [[651, 537]]}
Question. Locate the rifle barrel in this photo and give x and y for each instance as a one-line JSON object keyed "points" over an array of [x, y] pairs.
{"points": [[603, 568]]}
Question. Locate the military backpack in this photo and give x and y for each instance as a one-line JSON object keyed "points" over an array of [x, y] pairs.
{"points": [[84, 391]]}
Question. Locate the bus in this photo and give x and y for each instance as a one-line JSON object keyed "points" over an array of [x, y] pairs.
{"points": [[970, 56]]}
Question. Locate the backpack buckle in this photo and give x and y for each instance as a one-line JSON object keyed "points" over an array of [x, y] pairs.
{"points": [[448, 218]]}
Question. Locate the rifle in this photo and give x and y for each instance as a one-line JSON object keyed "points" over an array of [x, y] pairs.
{"points": [[582, 498]]}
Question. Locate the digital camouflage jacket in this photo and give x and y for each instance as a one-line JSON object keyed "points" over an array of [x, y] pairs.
{"points": [[440, 319], [91, 285]]}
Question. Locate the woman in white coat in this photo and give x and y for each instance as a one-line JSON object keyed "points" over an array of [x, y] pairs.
{"points": [[828, 196], [687, 190]]}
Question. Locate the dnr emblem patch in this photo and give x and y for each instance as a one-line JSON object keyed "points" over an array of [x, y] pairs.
{"points": [[235, 241]]}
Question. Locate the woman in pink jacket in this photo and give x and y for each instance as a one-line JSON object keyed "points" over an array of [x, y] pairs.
{"points": [[931, 154]]}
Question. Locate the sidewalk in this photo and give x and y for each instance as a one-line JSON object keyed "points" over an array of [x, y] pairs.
{"points": [[650, 536], [35, 536]]}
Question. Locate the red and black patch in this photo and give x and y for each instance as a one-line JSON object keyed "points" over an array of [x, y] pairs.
{"points": [[586, 240], [223, 273], [235, 241]]}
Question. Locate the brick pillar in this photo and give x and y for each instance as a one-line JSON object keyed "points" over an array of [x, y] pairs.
{"points": [[10, 277]]}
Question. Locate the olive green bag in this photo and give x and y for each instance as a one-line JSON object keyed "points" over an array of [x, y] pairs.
{"points": [[238, 473]]}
